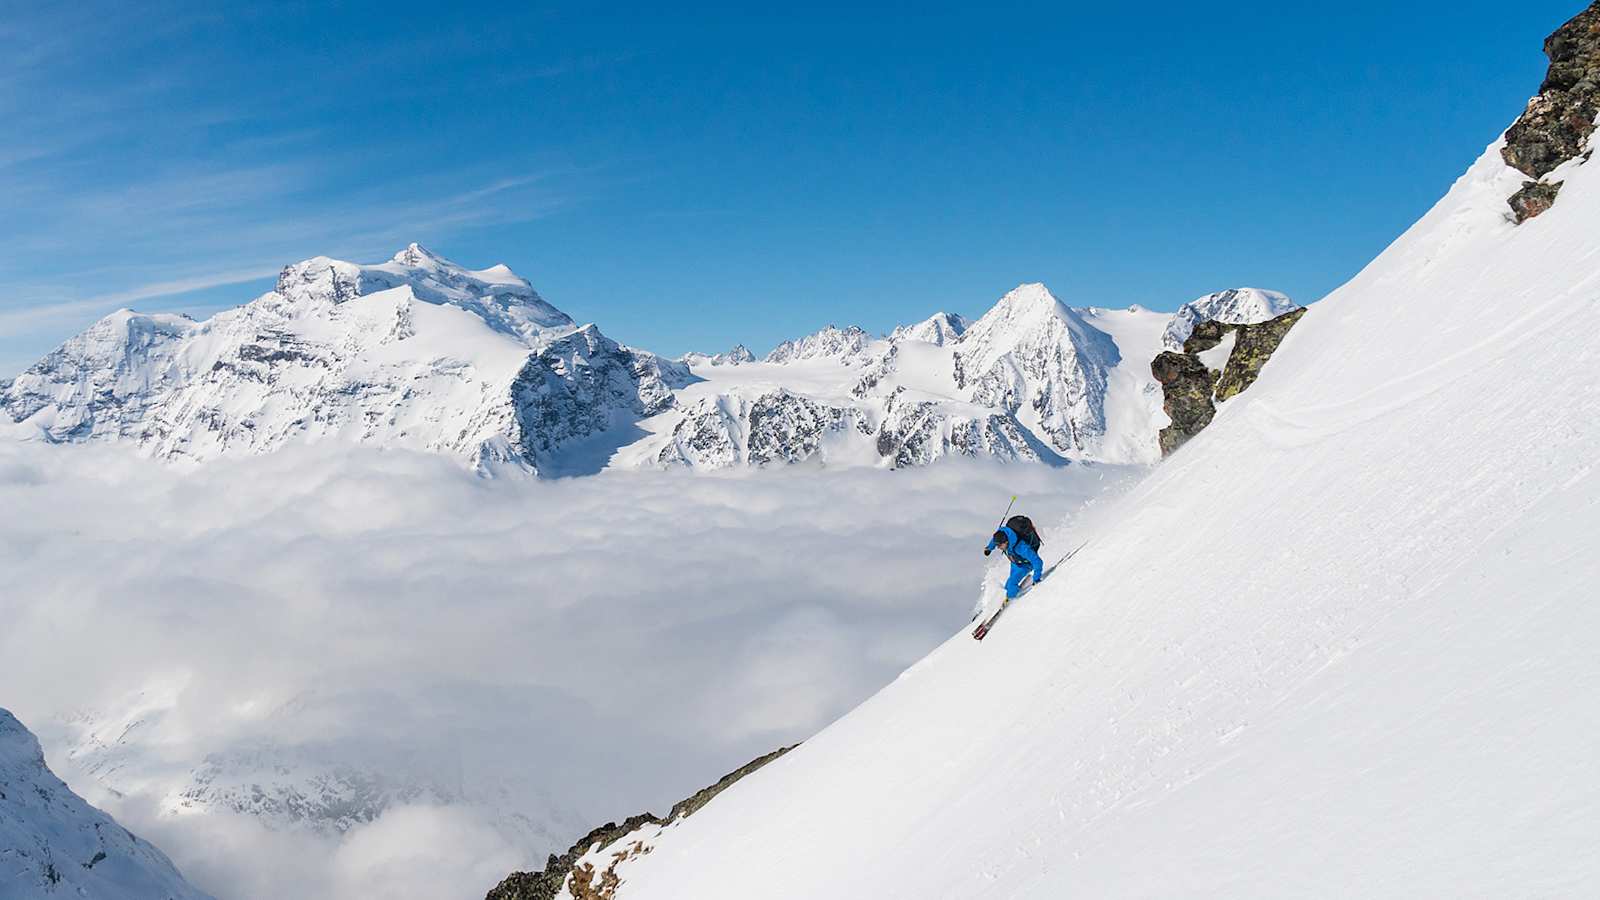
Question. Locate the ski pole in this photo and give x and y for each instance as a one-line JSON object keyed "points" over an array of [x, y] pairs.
{"points": [[1008, 509]]}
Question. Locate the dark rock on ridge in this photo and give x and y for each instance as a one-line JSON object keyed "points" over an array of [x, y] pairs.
{"points": [[1558, 123], [1534, 198], [547, 883], [1190, 391]]}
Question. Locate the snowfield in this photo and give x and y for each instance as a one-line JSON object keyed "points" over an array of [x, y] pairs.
{"points": [[1341, 644]]}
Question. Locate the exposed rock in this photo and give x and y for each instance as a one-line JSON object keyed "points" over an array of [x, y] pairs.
{"points": [[1534, 198], [1186, 387], [547, 883], [1254, 346], [1190, 390], [1558, 122]]}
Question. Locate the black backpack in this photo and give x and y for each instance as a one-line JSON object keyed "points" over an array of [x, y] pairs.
{"points": [[1026, 533]]}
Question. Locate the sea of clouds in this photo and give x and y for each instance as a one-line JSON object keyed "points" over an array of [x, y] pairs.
{"points": [[536, 656]]}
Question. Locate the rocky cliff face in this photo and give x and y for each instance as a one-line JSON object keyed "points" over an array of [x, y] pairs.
{"points": [[583, 873], [1191, 387], [1557, 125]]}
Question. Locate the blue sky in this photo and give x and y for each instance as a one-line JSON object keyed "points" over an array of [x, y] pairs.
{"points": [[692, 176]]}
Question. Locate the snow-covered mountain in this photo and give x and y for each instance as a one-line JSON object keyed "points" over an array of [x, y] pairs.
{"points": [[416, 352], [738, 355], [938, 329], [832, 342], [1236, 306], [53, 844], [421, 353], [1386, 699]]}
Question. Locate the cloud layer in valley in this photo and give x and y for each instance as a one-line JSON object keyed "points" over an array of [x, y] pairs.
{"points": [[519, 660]]}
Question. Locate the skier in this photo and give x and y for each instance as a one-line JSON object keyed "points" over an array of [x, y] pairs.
{"points": [[1024, 558]]}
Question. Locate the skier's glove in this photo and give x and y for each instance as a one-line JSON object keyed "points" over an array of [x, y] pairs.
{"points": [[988, 550]]}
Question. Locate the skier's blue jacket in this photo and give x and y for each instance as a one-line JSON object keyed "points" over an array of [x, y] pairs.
{"points": [[1023, 560]]}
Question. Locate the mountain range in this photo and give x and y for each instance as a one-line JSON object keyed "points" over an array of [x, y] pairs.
{"points": [[421, 353]]}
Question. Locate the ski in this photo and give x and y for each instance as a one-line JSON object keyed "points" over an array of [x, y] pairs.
{"points": [[981, 630]]}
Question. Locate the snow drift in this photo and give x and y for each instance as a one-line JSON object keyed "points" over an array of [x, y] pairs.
{"points": [[1338, 645]]}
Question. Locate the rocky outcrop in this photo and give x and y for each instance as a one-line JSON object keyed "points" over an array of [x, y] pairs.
{"points": [[1252, 348], [1187, 388], [1558, 123], [549, 882], [1191, 389], [1535, 197]]}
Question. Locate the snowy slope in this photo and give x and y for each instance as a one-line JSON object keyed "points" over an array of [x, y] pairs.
{"points": [[1393, 701], [54, 844]]}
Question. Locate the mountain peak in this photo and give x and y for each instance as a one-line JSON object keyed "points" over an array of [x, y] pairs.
{"points": [[832, 341], [939, 329], [416, 255], [1234, 306]]}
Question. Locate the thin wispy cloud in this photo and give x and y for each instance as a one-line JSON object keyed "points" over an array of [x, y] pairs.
{"points": [[35, 315], [133, 179]]}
